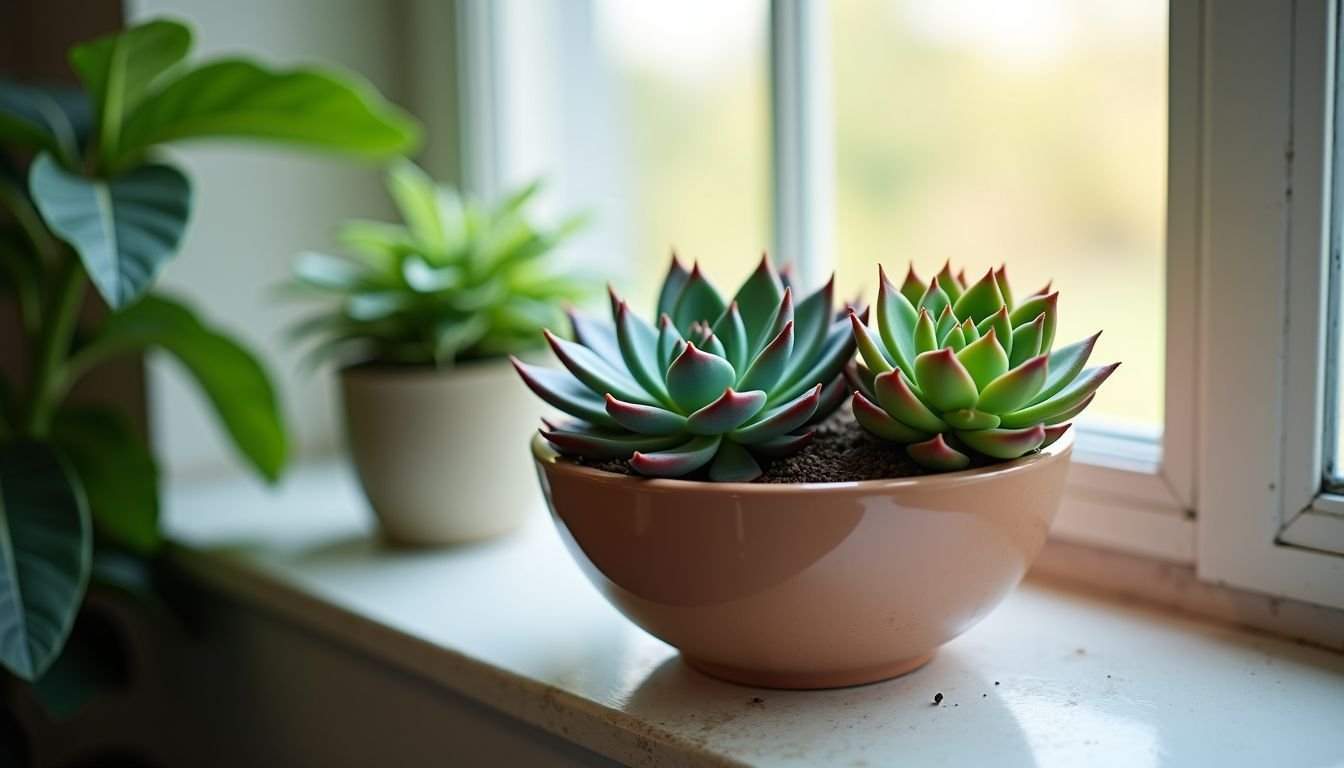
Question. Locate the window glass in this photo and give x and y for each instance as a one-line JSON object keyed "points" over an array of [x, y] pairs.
{"points": [[1031, 133], [652, 116]]}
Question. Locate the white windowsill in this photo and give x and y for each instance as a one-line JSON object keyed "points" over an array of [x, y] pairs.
{"points": [[514, 625]]}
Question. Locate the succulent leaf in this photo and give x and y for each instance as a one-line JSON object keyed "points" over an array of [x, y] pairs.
{"points": [[934, 299], [872, 354], [833, 395], [668, 339], [600, 376], [969, 330], [1054, 433], [677, 461], [698, 301], [562, 390], [1027, 340], [971, 418], [926, 335], [935, 453], [984, 359], [981, 300], [782, 316], [880, 423], [812, 320], [769, 365], [645, 419], [828, 364], [1036, 305], [1065, 365], [898, 399], [948, 282], [944, 382], [955, 339], [728, 412], [602, 446], [1064, 401], [594, 334], [912, 287], [1003, 329], [946, 322], [780, 419], [896, 318], [638, 343], [696, 378], [732, 331], [1001, 277], [860, 379], [1004, 443], [672, 284], [1014, 388], [733, 464], [759, 297]]}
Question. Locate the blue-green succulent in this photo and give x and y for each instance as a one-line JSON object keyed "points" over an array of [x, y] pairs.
{"points": [[715, 387]]}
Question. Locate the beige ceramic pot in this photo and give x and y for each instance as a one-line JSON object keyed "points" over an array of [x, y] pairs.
{"points": [[437, 451], [807, 585]]}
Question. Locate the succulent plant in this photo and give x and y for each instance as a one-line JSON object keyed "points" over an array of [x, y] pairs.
{"points": [[457, 280], [958, 369], [714, 383]]}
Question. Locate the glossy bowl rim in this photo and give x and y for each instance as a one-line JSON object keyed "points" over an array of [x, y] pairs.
{"points": [[545, 454]]}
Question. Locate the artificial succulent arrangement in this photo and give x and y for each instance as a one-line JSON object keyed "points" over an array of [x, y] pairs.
{"points": [[957, 370], [89, 199], [714, 386], [456, 280]]}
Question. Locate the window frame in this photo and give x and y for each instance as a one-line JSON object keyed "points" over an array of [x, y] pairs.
{"points": [[1266, 185], [1246, 80]]}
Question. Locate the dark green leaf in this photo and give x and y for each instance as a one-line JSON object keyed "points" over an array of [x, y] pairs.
{"points": [[45, 548], [124, 229], [231, 377], [117, 473], [239, 99]]}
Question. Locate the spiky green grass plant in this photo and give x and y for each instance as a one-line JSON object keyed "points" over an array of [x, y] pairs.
{"points": [[719, 384], [957, 369]]}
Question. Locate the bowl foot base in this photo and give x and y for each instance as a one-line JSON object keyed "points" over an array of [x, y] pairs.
{"points": [[765, 678]]}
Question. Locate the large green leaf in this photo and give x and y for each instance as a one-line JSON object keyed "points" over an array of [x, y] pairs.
{"points": [[118, 69], [45, 550], [239, 99], [52, 119], [124, 229], [230, 376], [117, 473]]}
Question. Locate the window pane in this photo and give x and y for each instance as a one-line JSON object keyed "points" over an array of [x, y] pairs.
{"points": [[654, 117], [1031, 133]]}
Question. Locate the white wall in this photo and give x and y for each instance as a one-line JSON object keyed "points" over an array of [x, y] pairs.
{"points": [[257, 207]]}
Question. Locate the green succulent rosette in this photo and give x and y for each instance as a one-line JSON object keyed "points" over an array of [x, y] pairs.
{"points": [[958, 369]]}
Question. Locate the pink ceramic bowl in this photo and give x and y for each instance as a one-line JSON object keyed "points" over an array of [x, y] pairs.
{"points": [[807, 585]]}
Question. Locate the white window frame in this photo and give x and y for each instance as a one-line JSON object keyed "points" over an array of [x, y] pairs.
{"points": [[1264, 524], [1246, 81]]}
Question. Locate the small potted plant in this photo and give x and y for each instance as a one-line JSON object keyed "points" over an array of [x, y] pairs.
{"points": [[706, 492], [422, 316]]}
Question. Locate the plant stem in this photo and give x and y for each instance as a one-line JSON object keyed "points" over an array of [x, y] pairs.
{"points": [[53, 345]]}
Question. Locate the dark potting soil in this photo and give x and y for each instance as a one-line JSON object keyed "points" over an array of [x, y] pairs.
{"points": [[841, 452]]}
